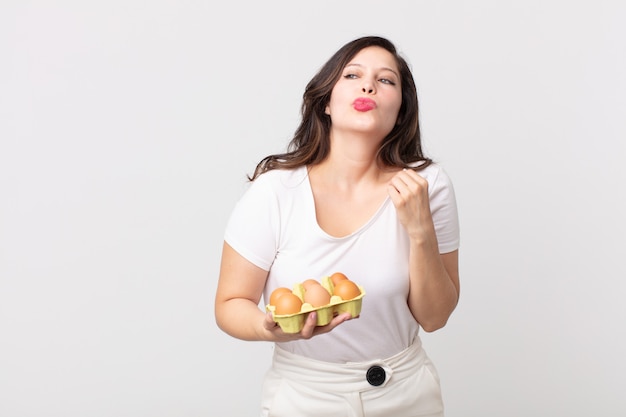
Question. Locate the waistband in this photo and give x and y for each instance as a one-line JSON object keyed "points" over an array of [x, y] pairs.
{"points": [[351, 376]]}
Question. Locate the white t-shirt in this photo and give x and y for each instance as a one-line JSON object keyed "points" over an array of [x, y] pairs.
{"points": [[274, 226]]}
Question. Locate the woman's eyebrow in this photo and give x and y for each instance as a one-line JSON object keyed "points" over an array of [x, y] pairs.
{"points": [[382, 68]]}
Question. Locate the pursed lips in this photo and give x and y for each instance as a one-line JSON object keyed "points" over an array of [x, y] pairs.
{"points": [[364, 104]]}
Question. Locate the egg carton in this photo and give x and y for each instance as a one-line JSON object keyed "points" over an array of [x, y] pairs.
{"points": [[293, 323]]}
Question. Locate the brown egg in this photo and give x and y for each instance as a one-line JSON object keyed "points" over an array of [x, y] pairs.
{"points": [[277, 293], [337, 276], [288, 303], [310, 283], [317, 296], [346, 289]]}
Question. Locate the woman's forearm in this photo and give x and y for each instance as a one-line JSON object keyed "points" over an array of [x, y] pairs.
{"points": [[241, 318], [434, 284]]}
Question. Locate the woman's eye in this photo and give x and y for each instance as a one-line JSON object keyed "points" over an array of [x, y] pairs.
{"points": [[387, 81], [350, 76]]}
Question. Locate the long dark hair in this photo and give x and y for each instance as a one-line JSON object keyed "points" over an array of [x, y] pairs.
{"points": [[311, 142]]}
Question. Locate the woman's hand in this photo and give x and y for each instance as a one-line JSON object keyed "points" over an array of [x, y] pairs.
{"points": [[409, 193], [309, 330]]}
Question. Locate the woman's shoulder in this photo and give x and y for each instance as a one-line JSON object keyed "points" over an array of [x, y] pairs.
{"points": [[432, 170], [275, 186], [437, 177], [282, 178]]}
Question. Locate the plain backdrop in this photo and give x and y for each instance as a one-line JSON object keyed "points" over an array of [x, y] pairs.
{"points": [[127, 129]]}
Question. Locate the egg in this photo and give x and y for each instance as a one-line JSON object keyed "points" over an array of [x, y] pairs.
{"points": [[316, 295], [309, 283], [346, 289], [338, 276], [277, 293], [288, 303]]}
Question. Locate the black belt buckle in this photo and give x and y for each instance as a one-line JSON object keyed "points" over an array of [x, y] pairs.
{"points": [[375, 375]]}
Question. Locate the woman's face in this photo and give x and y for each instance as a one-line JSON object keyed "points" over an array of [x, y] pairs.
{"points": [[368, 95]]}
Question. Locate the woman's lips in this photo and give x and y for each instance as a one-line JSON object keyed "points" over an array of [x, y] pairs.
{"points": [[364, 104]]}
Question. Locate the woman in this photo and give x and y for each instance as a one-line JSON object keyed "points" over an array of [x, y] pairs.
{"points": [[352, 194]]}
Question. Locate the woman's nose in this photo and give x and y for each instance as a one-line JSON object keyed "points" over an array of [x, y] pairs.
{"points": [[368, 87]]}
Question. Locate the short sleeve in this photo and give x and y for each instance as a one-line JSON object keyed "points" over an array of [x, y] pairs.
{"points": [[443, 208], [252, 228]]}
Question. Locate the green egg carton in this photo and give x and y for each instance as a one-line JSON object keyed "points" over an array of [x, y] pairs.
{"points": [[293, 323], [351, 306]]}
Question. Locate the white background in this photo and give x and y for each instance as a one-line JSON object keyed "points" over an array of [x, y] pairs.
{"points": [[127, 128]]}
